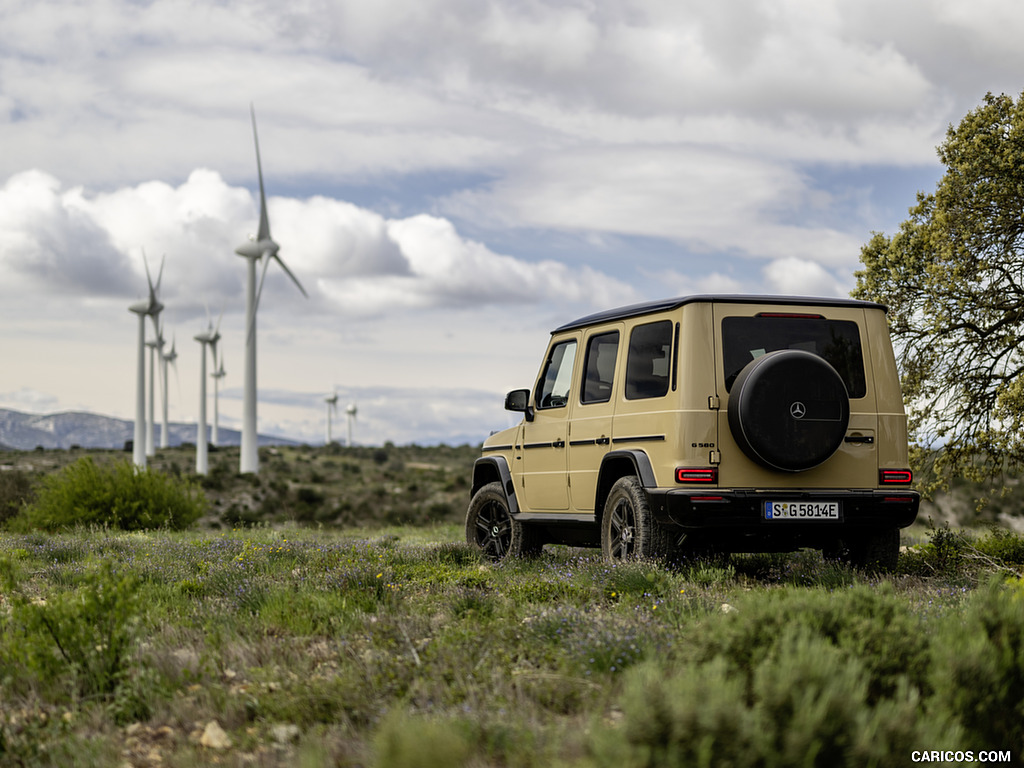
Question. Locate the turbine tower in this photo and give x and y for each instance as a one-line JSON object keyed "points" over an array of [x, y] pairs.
{"points": [[171, 357], [214, 437], [153, 345], [146, 308], [217, 376], [202, 460], [351, 412], [261, 248], [332, 405]]}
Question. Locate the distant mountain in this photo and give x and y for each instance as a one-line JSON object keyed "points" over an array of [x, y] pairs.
{"points": [[26, 431]]}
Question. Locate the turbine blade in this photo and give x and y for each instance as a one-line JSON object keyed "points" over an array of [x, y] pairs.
{"points": [[263, 276], [293, 277], [160, 275], [251, 330], [149, 279], [264, 231]]}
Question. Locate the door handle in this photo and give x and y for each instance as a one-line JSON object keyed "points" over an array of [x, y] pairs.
{"points": [[559, 443], [603, 441], [866, 439]]}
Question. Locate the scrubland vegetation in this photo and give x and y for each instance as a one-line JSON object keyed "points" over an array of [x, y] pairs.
{"points": [[293, 640]]}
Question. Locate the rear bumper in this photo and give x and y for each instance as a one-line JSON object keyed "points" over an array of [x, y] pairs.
{"points": [[743, 511]]}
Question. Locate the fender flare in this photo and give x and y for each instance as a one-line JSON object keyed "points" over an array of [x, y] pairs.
{"points": [[486, 470], [640, 463]]}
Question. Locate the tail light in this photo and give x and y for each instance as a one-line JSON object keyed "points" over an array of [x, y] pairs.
{"points": [[699, 476], [895, 477]]}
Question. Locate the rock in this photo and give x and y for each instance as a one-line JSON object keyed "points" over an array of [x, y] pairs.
{"points": [[284, 733], [726, 608], [214, 737]]}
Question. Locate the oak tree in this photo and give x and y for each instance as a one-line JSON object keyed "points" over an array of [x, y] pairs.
{"points": [[953, 279]]}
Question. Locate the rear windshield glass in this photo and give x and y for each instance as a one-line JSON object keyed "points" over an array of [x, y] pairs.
{"points": [[838, 341]]}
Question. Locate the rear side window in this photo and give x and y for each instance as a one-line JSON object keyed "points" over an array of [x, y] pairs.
{"points": [[837, 341], [599, 368], [649, 361]]}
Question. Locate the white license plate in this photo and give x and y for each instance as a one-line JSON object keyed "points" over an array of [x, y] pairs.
{"points": [[801, 510]]}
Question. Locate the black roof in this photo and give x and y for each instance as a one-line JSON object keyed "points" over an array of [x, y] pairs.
{"points": [[661, 305]]}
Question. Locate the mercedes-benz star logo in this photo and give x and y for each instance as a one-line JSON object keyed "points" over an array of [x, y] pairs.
{"points": [[797, 410]]}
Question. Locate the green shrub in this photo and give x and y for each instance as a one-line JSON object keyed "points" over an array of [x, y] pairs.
{"points": [[808, 704], [979, 668], [1003, 546], [15, 491], [419, 742], [869, 623], [944, 556], [117, 495], [84, 635]]}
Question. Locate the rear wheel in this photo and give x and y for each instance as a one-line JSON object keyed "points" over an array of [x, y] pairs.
{"points": [[872, 551], [877, 550], [628, 528], [492, 530]]}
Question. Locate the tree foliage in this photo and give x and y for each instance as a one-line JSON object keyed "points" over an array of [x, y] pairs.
{"points": [[953, 279]]}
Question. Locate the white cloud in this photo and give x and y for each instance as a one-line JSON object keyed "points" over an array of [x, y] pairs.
{"points": [[708, 200], [28, 400], [803, 278], [49, 243], [350, 259]]}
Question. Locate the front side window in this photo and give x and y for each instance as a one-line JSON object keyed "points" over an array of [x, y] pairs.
{"points": [[599, 368], [837, 341], [649, 361], [557, 378]]}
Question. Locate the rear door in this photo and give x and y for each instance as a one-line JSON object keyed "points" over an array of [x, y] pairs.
{"points": [[744, 332]]}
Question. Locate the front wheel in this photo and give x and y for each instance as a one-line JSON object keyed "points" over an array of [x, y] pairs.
{"points": [[628, 528], [492, 530]]}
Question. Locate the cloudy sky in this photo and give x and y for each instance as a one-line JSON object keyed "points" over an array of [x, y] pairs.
{"points": [[449, 180]]}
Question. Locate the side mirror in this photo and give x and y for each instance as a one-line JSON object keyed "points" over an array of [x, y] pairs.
{"points": [[519, 400]]}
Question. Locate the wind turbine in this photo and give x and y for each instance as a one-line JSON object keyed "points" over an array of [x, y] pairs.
{"points": [[208, 336], [261, 248], [217, 376], [146, 308], [351, 412], [332, 405], [171, 357]]}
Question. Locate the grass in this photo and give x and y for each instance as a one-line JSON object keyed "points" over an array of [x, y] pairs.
{"points": [[399, 646], [329, 613]]}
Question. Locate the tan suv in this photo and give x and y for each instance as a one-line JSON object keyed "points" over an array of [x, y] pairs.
{"points": [[721, 423]]}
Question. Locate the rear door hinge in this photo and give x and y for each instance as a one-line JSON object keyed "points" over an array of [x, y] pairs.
{"points": [[714, 403]]}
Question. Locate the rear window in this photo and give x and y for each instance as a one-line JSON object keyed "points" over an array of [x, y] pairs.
{"points": [[837, 341]]}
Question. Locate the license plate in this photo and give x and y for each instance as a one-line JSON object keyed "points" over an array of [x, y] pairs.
{"points": [[801, 510]]}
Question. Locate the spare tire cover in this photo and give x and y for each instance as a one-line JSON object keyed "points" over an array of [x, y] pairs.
{"points": [[789, 410]]}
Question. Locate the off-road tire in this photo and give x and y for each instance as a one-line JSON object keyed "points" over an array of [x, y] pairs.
{"points": [[492, 530], [628, 528], [876, 550]]}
